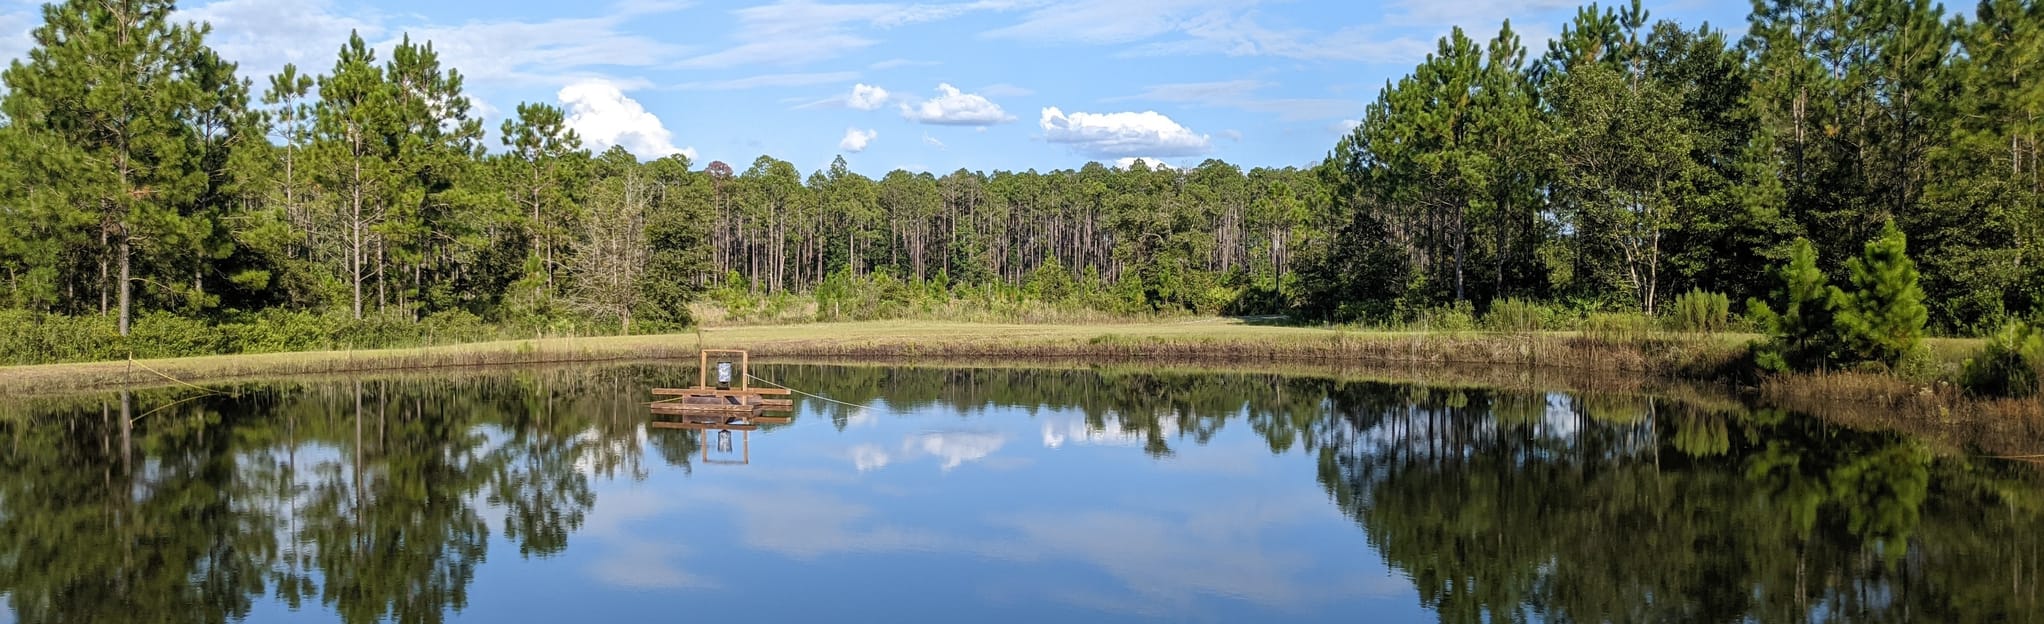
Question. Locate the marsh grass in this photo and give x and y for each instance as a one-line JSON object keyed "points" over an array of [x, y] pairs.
{"points": [[1200, 339], [1938, 411]]}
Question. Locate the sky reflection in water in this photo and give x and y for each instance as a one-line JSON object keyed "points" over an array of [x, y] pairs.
{"points": [[993, 494]]}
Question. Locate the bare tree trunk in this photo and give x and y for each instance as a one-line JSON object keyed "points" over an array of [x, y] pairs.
{"points": [[123, 252]]}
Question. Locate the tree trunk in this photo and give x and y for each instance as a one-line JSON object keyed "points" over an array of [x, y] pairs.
{"points": [[123, 253]]}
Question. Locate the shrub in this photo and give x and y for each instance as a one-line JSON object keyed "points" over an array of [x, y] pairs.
{"points": [[1804, 334], [36, 338], [1701, 312], [2011, 364], [1458, 317], [1618, 327], [1516, 315], [1882, 319], [166, 335]]}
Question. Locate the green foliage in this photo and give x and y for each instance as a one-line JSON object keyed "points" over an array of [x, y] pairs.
{"points": [[2010, 365], [1618, 327], [1457, 317], [1517, 315], [1804, 333], [1700, 312], [1883, 317]]}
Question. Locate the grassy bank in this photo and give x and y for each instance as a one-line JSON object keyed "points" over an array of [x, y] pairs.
{"points": [[1671, 355]]}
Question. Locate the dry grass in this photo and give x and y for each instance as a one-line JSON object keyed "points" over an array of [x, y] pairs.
{"points": [[1200, 339], [1939, 412]]}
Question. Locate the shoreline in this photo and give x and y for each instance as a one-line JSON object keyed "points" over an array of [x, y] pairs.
{"points": [[1669, 357], [1685, 367]]}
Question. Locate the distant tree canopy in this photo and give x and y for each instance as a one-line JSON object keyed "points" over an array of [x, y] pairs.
{"points": [[1630, 162]]}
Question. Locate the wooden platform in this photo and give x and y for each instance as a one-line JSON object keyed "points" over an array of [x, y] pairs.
{"points": [[701, 426], [709, 391], [734, 407]]}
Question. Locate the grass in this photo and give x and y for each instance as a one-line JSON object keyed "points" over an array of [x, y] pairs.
{"points": [[1197, 340]]}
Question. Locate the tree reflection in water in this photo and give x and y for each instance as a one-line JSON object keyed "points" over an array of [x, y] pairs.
{"points": [[378, 498]]}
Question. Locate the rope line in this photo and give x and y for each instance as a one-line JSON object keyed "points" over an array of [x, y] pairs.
{"points": [[813, 396], [132, 361]]}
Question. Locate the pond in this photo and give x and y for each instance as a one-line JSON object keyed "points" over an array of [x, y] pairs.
{"points": [[991, 494]]}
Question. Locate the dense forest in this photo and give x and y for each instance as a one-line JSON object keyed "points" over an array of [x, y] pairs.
{"points": [[147, 184]]}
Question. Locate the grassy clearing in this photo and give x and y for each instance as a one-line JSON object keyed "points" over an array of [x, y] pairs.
{"points": [[1200, 339]]}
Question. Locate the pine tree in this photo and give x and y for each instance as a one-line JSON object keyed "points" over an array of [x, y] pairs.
{"points": [[1883, 317], [540, 152], [109, 102], [1804, 334], [353, 120]]}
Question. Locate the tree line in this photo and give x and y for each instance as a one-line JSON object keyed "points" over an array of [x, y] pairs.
{"points": [[1631, 161]]}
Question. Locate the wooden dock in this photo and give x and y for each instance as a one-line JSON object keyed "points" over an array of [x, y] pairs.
{"points": [[729, 403]]}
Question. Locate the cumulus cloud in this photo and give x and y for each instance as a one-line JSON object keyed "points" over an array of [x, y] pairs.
{"points": [[866, 97], [1122, 134], [604, 116], [954, 108], [856, 140]]}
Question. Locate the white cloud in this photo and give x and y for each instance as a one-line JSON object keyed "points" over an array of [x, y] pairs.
{"points": [[604, 116], [856, 140], [866, 97], [1122, 134], [956, 448], [932, 141], [771, 80], [870, 457], [264, 35], [954, 108]]}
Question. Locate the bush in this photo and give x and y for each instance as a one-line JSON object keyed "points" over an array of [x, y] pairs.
{"points": [[276, 331], [1618, 327], [166, 335], [1883, 317], [1517, 315], [2010, 365], [1804, 334], [36, 338], [1459, 317], [1701, 312]]}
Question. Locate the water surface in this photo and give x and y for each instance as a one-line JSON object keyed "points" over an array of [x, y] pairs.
{"points": [[991, 494]]}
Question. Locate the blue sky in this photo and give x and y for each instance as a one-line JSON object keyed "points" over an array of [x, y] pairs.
{"points": [[985, 85]]}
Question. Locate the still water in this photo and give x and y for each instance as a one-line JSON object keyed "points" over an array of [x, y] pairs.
{"points": [[991, 495]]}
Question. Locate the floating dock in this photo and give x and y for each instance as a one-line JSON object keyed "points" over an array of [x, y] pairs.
{"points": [[727, 402]]}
